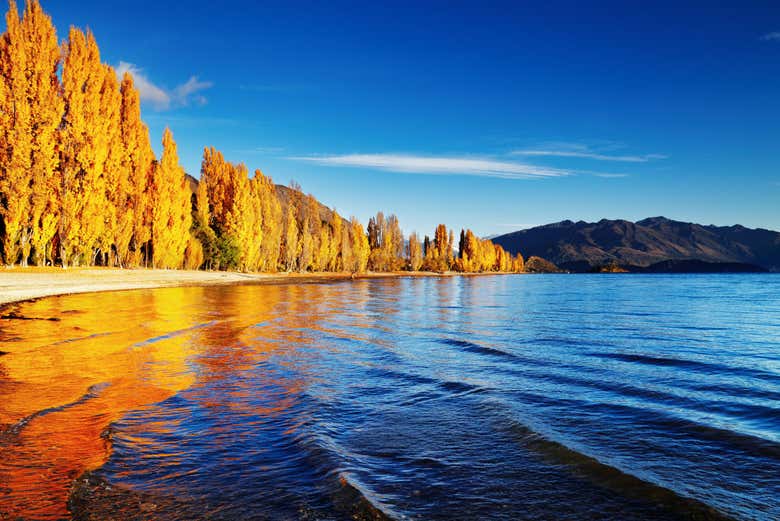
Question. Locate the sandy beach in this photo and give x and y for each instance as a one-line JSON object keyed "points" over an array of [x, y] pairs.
{"points": [[19, 284]]}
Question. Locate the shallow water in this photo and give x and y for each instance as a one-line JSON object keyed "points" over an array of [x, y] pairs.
{"points": [[508, 397]]}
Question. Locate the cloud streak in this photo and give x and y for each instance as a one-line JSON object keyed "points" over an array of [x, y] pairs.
{"points": [[437, 165], [773, 36], [186, 94], [588, 155]]}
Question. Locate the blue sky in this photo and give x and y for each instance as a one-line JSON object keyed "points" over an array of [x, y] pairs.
{"points": [[494, 116]]}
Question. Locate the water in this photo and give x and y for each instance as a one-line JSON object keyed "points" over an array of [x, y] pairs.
{"points": [[507, 397]]}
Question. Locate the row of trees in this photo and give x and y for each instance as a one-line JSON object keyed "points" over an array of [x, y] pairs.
{"points": [[250, 224], [246, 224], [80, 184]]}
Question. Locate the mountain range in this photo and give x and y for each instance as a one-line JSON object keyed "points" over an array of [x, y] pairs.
{"points": [[656, 244]]}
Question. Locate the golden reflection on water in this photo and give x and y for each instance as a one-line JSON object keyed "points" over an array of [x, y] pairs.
{"points": [[64, 381]]}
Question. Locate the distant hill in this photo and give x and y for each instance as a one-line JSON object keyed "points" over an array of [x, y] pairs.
{"points": [[583, 246], [538, 265]]}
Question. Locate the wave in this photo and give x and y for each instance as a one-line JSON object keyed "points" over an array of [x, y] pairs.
{"points": [[8, 432], [610, 477], [472, 347], [173, 334], [705, 367], [743, 411]]}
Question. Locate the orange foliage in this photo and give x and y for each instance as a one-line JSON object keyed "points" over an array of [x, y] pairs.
{"points": [[79, 183]]}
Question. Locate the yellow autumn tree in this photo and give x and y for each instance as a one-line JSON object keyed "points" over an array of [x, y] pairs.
{"points": [[237, 213], [414, 252], [244, 213], [518, 264], [291, 245], [15, 170], [202, 211], [482, 255], [193, 253], [360, 247], [311, 254], [306, 256], [171, 208], [393, 245], [253, 221], [115, 180], [202, 230], [272, 225], [8, 196], [347, 253], [45, 117], [30, 112], [84, 151], [335, 261], [217, 174], [438, 255], [134, 211]]}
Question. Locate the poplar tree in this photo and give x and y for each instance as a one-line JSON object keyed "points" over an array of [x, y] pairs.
{"points": [[312, 241], [238, 219], [414, 255], [46, 115], [306, 256], [116, 225], [82, 189], [272, 225], [347, 250], [393, 247], [171, 214], [518, 264], [334, 254], [360, 247], [202, 231], [134, 214], [291, 239], [30, 112], [15, 167], [438, 255]]}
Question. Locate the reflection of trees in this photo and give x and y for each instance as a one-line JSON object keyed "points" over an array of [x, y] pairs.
{"points": [[236, 350], [255, 358], [238, 343], [108, 354]]}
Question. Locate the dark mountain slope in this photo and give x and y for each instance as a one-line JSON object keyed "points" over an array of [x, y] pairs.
{"points": [[581, 246]]}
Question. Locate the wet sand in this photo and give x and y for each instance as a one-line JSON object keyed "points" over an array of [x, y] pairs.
{"points": [[19, 284]]}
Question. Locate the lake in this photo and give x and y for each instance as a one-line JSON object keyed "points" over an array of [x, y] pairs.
{"points": [[645, 397]]}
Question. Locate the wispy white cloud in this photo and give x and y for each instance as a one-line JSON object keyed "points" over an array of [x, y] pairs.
{"points": [[161, 98], [584, 152], [773, 36], [437, 165], [189, 91]]}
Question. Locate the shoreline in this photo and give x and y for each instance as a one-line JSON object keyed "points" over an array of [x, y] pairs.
{"points": [[23, 284]]}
